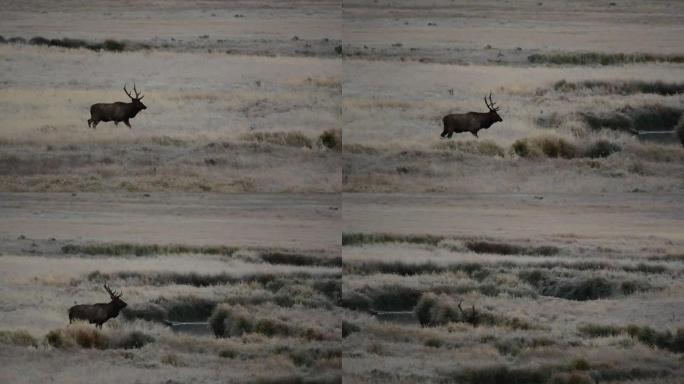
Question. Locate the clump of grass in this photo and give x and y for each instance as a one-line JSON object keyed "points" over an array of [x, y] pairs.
{"points": [[130, 340], [236, 320], [601, 148], [271, 327], [646, 335], [481, 246], [289, 139], [580, 289], [368, 238], [545, 146], [125, 249], [19, 338], [331, 139], [227, 321], [622, 87], [479, 147], [598, 58], [84, 336]]}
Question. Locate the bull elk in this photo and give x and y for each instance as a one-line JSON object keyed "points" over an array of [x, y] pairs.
{"points": [[98, 313], [471, 121], [118, 111]]}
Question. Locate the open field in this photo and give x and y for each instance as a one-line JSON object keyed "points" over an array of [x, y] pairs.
{"points": [[273, 259], [549, 287], [570, 78], [219, 119]]}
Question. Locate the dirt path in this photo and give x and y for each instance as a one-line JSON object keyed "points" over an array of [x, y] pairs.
{"points": [[283, 220]]}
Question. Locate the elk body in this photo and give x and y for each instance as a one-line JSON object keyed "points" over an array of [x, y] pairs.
{"points": [[116, 112], [98, 313], [471, 121]]}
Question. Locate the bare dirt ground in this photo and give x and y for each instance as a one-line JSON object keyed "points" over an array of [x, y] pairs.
{"points": [[274, 259], [561, 284]]}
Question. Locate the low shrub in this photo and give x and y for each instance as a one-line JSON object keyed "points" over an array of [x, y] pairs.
{"points": [[331, 139]]}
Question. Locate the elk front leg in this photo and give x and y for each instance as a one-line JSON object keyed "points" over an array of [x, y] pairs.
{"points": [[474, 133], [127, 124]]}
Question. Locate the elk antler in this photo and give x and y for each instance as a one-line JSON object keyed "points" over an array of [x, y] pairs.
{"points": [[137, 95], [490, 105], [112, 294]]}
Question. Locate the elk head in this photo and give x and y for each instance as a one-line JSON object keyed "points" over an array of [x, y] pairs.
{"points": [[492, 108], [136, 100], [116, 299]]}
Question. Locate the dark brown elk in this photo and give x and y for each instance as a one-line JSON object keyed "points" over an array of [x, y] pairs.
{"points": [[471, 121], [98, 313], [117, 112]]}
